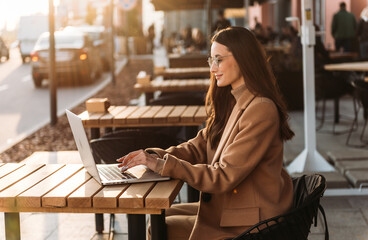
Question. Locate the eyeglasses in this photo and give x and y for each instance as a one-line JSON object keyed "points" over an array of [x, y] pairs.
{"points": [[216, 60]]}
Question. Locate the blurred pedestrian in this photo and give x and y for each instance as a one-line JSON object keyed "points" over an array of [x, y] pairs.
{"points": [[343, 29], [362, 34], [151, 38], [221, 22]]}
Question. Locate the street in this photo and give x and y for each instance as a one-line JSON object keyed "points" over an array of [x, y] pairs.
{"points": [[23, 108]]}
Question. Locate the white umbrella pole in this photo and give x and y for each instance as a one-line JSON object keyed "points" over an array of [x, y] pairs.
{"points": [[309, 159]]}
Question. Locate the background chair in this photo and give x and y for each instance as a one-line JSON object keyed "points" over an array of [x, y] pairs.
{"points": [[330, 87], [117, 144], [294, 225], [361, 100]]}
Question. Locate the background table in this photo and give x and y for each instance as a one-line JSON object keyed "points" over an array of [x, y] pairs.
{"points": [[188, 60], [68, 188], [174, 85], [180, 73], [348, 66], [145, 116]]}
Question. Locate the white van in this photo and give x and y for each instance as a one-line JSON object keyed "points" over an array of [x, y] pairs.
{"points": [[30, 28]]}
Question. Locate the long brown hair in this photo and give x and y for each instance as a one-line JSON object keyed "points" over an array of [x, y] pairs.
{"points": [[258, 78]]}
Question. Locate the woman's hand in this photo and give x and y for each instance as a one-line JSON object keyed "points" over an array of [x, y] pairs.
{"points": [[139, 157]]}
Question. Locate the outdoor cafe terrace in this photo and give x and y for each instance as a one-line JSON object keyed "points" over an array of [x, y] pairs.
{"points": [[346, 213]]}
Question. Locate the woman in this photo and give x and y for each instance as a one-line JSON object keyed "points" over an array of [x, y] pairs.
{"points": [[236, 161]]}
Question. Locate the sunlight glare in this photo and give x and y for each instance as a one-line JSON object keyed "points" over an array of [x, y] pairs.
{"points": [[10, 11]]}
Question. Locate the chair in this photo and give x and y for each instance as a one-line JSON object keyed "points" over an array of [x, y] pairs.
{"points": [[361, 96], [295, 224], [330, 87], [114, 145]]}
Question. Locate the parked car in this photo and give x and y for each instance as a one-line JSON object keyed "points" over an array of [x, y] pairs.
{"points": [[100, 40], [77, 60], [4, 50]]}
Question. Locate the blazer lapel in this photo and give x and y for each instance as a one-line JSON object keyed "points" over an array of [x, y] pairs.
{"points": [[242, 104], [225, 135]]}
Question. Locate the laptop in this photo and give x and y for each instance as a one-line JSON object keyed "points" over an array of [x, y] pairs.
{"points": [[106, 174]]}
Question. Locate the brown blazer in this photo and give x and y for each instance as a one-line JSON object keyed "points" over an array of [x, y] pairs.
{"points": [[244, 175]]}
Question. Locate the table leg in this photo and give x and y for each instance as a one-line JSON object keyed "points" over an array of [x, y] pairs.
{"points": [[148, 96], [99, 221], [95, 133], [136, 227], [12, 226], [337, 110], [158, 226]]}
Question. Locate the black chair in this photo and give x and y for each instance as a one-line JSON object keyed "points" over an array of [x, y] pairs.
{"points": [[294, 225], [330, 87], [114, 145], [361, 99]]}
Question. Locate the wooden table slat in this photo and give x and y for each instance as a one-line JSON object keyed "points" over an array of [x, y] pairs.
{"points": [[94, 118], [32, 197], [134, 196], [161, 117], [163, 194], [108, 117], [121, 117], [40, 172], [18, 175], [8, 168], [201, 114], [136, 115], [82, 197], [188, 114], [57, 157], [57, 197], [149, 115], [108, 196], [175, 115]]}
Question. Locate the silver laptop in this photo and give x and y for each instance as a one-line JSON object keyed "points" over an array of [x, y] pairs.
{"points": [[107, 174]]}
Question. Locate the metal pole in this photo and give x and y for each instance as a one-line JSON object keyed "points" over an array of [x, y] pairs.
{"points": [[309, 159], [209, 24], [112, 41], [246, 16], [52, 75]]}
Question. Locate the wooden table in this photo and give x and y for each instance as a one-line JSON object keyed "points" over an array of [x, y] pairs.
{"points": [[349, 66], [174, 85], [145, 116], [180, 73], [68, 188], [188, 60], [343, 56]]}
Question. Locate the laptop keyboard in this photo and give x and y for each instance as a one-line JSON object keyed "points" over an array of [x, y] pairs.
{"points": [[113, 173]]}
